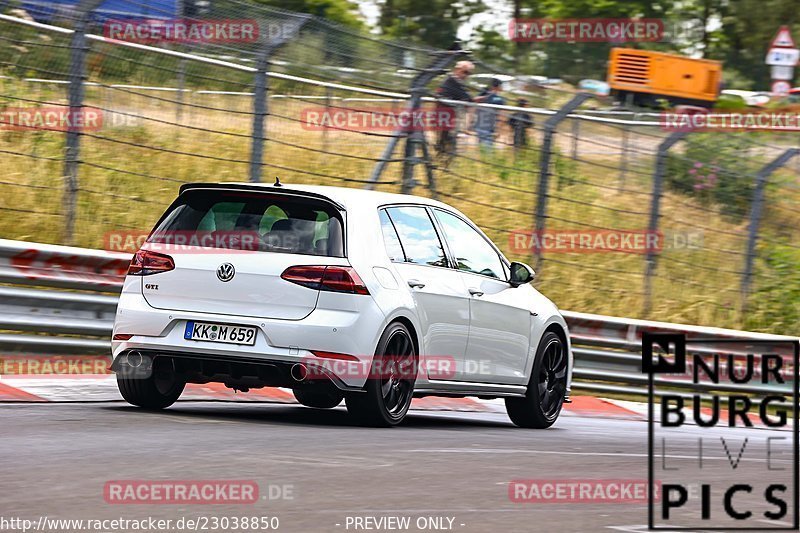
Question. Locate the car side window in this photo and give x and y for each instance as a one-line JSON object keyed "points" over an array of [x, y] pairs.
{"points": [[418, 237], [390, 238], [471, 250]]}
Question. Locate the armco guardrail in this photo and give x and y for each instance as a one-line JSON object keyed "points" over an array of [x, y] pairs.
{"points": [[62, 300], [50, 321]]}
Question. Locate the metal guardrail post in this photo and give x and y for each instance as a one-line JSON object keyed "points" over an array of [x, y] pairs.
{"points": [[260, 87], [756, 208], [77, 77], [544, 165], [655, 212], [437, 67]]}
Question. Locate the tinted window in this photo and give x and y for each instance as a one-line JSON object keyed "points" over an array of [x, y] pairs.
{"points": [[472, 252], [253, 222], [390, 238], [417, 236]]}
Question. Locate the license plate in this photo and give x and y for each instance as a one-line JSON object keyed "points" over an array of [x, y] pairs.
{"points": [[223, 333]]}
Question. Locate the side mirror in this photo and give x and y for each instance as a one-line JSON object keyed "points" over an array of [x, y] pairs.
{"points": [[520, 274]]}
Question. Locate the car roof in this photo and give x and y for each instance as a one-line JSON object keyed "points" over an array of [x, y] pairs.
{"points": [[346, 196]]}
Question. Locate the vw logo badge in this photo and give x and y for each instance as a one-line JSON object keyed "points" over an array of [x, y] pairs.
{"points": [[225, 272]]}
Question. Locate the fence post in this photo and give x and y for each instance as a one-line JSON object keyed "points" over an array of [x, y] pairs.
{"points": [[325, 127], [576, 131], [655, 212], [181, 12], [442, 61], [409, 161], [77, 76], [273, 40], [756, 208], [550, 126], [181, 90], [260, 87], [623, 165], [413, 139]]}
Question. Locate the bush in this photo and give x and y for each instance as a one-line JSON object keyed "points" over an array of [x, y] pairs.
{"points": [[714, 169], [775, 301]]}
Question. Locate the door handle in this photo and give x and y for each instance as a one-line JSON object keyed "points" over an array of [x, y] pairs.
{"points": [[475, 292], [415, 284]]}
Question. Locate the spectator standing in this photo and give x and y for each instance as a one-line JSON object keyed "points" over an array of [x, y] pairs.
{"points": [[453, 88], [520, 121], [486, 117]]}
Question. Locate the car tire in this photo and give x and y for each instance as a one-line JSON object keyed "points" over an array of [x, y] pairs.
{"points": [[547, 386], [390, 386], [317, 399], [157, 391]]}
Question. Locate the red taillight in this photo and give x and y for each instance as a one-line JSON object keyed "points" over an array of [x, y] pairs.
{"points": [[122, 336], [326, 278], [343, 279], [335, 355], [307, 276], [145, 262]]}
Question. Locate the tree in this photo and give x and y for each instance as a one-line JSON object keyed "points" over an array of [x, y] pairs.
{"points": [[343, 12], [574, 61], [748, 26], [431, 22]]}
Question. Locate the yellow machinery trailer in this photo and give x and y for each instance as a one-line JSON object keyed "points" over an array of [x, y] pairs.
{"points": [[641, 77]]}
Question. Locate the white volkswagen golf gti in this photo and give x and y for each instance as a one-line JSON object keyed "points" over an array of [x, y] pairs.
{"points": [[337, 293]]}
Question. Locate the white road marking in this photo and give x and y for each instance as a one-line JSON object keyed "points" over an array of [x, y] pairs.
{"points": [[589, 454]]}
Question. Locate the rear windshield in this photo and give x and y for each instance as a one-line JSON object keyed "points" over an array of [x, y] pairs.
{"points": [[252, 221]]}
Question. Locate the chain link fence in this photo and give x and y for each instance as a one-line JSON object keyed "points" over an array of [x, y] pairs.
{"points": [[538, 172]]}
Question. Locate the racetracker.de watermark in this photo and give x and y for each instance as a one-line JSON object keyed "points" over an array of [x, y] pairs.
{"points": [[149, 31], [197, 242], [588, 30], [181, 492], [699, 120], [588, 491], [603, 241], [323, 365], [317, 118], [56, 365], [51, 118], [64, 118]]}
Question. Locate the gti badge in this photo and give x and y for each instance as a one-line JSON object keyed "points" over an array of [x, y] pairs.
{"points": [[225, 272]]}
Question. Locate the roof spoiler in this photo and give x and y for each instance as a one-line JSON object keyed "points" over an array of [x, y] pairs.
{"points": [[251, 187]]}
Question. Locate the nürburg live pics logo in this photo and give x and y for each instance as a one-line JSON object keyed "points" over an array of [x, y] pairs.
{"points": [[722, 432]]}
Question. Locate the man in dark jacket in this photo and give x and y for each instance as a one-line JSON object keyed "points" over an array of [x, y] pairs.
{"points": [[453, 88]]}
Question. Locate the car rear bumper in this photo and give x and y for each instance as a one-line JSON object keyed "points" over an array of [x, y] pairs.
{"points": [[279, 343], [241, 373]]}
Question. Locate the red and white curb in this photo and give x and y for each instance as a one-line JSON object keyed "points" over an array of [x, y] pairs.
{"points": [[103, 388]]}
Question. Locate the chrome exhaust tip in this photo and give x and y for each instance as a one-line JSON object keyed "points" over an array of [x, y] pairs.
{"points": [[135, 359], [299, 372]]}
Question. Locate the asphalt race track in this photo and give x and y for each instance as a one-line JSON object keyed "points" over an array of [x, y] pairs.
{"points": [[57, 458]]}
